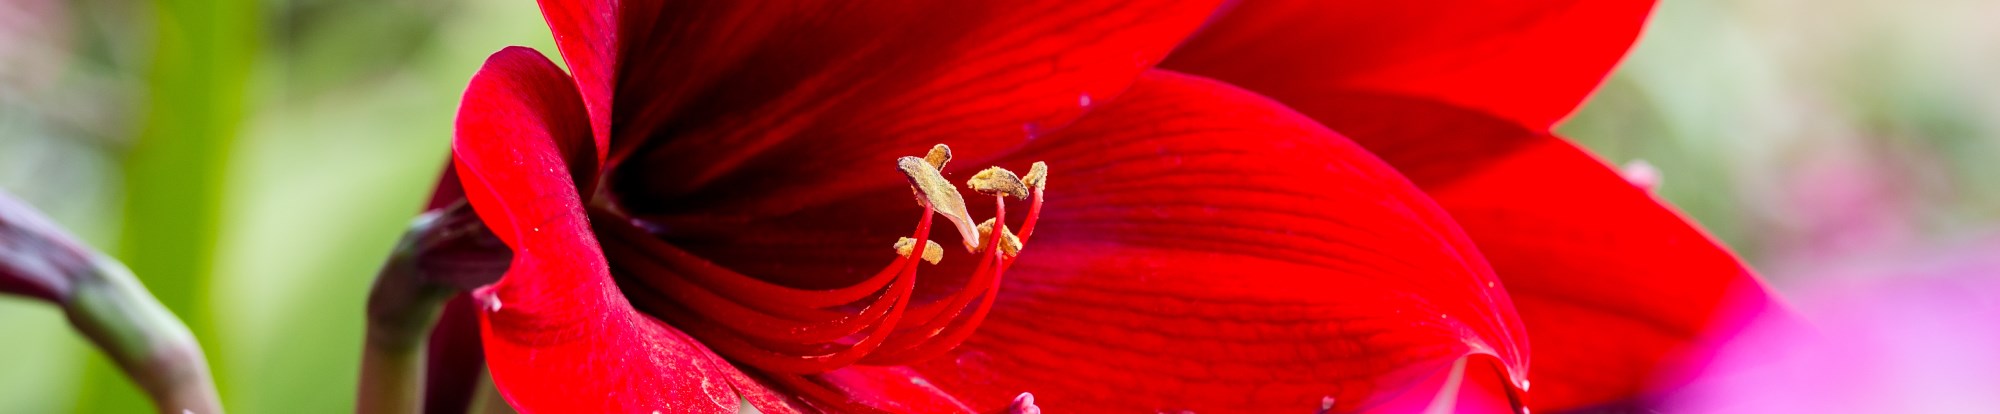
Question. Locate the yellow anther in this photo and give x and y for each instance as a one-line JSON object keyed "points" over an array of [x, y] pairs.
{"points": [[1009, 243], [938, 156], [938, 194], [1038, 175], [996, 180], [932, 251], [986, 229]]}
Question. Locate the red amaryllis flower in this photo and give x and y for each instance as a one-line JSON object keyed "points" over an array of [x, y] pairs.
{"points": [[702, 216]]}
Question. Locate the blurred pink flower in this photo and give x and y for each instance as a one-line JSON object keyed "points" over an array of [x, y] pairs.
{"points": [[1910, 333]]}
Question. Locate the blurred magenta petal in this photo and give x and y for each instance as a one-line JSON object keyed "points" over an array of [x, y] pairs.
{"points": [[1910, 334]]}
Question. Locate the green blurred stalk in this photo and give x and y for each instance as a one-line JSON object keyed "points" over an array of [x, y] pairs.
{"points": [[174, 171], [446, 251], [403, 306], [129, 325]]}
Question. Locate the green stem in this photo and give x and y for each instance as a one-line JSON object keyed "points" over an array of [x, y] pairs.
{"points": [[486, 398], [153, 347], [392, 365], [445, 251], [402, 309], [108, 305]]}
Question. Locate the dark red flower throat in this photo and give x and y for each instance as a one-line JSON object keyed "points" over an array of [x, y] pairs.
{"points": [[876, 320]]}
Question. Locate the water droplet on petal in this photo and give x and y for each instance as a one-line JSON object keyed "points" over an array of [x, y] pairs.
{"points": [[1024, 404], [1641, 174]]}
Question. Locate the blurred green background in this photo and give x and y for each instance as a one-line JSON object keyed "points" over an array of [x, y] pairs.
{"points": [[253, 161]]}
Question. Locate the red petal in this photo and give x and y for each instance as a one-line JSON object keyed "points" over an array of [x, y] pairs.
{"points": [[447, 191], [765, 109], [1201, 249], [559, 336], [1206, 249], [1614, 287], [519, 94], [588, 38], [1470, 385], [1529, 62]]}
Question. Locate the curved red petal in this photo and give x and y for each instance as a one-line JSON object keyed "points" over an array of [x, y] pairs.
{"points": [[1472, 385], [586, 32], [520, 95], [559, 336], [1616, 289], [1205, 249], [1529, 62], [765, 109]]}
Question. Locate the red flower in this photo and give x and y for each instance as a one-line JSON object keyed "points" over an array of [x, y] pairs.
{"points": [[702, 217]]}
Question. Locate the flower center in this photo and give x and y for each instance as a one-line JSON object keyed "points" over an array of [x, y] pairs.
{"points": [[876, 320]]}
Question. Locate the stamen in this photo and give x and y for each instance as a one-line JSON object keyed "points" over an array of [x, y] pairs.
{"points": [[795, 332], [1009, 244], [997, 181], [935, 192], [932, 251], [938, 156], [1038, 175]]}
